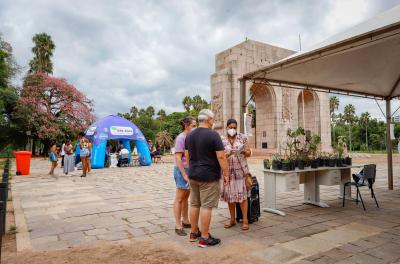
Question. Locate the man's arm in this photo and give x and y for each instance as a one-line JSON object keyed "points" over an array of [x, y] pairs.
{"points": [[223, 163], [179, 163]]}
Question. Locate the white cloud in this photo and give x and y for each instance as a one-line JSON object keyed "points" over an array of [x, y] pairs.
{"points": [[124, 53]]}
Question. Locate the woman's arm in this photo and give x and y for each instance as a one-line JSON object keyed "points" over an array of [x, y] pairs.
{"points": [[179, 163]]}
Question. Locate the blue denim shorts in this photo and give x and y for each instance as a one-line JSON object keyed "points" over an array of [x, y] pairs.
{"points": [[179, 180]]}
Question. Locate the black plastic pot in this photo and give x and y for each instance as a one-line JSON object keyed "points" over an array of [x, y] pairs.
{"points": [[314, 163], [321, 162], [301, 164], [332, 163], [348, 161], [276, 165], [339, 163], [326, 162], [287, 166]]}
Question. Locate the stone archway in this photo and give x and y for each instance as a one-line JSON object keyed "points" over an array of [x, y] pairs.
{"points": [[265, 129], [311, 119]]}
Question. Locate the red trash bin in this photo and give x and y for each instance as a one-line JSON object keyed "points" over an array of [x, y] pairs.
{"points": [[23, 160]]}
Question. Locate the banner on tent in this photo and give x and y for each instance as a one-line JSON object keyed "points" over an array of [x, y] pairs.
{"points": [[121, 131]]}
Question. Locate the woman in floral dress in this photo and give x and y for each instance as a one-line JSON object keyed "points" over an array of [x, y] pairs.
{"points": [[237, 150]]}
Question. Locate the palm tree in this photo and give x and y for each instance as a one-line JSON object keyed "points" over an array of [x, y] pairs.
{"points": [[364, 120], [333, 105], [161, 115], [164, 139], [349, 117], [43, 51], [187, 103], [150, 111]]}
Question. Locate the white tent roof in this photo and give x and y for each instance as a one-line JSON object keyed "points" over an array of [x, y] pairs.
{"points": [[363, 60]]}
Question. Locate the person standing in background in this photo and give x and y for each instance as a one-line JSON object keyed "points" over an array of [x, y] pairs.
{"points": [[181, 171], [69, 164], [62, 154], [53, 158]]}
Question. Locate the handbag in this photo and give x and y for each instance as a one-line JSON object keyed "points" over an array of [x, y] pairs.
{"points": [[248, 178]]}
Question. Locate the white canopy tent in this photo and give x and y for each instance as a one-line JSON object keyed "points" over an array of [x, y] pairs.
{"points": [[362, 61]]}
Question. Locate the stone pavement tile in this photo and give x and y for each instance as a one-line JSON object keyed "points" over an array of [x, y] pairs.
{"points": [[388, 252], [141, 224], [352, 248], [277, 254], [68, 236], [77, 227], [85, 240], [360, 228], [309, 245], [113, 236], [338, 254], [55, 245], [44, 240], [336, 236], [44, 232], [160, 236], [324, 260], [137, 232], [362, 258], [302, 232], [302, 262], [96, 231]]}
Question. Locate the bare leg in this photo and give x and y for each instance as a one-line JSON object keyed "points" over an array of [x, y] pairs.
{"points": [[194, 218], [53, 166], [205, 219], [89, 165], [232, 221], [84, 165], [244, 208], [185, 207], [178, 207]]}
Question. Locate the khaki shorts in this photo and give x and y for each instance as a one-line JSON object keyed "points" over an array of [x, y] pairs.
{"points": [[204, 194]]}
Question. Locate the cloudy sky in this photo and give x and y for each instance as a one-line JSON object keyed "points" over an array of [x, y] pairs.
{"points": [[123, 53]]}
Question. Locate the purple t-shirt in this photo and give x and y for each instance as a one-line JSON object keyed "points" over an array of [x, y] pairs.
{"points": [[180, 147]]}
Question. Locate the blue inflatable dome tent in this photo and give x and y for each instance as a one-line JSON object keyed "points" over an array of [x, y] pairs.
{"points": [[116, 128]]}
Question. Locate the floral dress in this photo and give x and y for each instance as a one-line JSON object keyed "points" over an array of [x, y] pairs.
{"points": [[235, 191]]}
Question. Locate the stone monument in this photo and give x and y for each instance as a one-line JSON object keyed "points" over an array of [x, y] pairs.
{"points": [[277, 108]]}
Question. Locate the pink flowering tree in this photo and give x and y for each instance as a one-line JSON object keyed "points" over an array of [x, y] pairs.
{"points": [[52, 108]]}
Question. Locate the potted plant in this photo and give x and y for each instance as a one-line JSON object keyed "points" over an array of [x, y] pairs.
{"points": [[348, 160], [332, 160], [287, 165], [267, 164], [321, 161], [340, 147], [302, 161], [314, 142], [277, 162]]}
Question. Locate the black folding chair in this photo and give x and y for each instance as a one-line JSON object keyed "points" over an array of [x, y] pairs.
{"points": [[366, 177]]}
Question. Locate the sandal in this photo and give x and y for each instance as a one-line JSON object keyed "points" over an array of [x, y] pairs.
{"points": [[83, 176], [180, 232], [230, 224], [188, 225], [245, 226]]}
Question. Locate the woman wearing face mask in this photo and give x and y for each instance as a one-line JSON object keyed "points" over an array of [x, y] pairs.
{"points": [[236, 150]]}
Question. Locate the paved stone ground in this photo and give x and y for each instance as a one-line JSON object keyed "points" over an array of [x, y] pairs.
{"points": [[136, 203]]}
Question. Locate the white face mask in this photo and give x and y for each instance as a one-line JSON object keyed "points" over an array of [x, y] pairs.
{"points": [[231, 132]]}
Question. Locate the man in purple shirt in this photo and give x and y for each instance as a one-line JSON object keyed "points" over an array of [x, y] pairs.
{"points": [[181, 171]]}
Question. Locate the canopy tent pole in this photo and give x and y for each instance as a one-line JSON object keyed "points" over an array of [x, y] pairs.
{"points": [[389, 144], [302, 104], [242, 103]]}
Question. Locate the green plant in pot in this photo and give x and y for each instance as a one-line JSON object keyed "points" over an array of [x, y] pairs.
{"points": [[287, 165], [348, 160], [314, 142], [302, 159], [331, 160], [267, 164], [277, 162], [340, 148]]}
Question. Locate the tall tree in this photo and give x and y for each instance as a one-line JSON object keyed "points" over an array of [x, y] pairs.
{"points": [[187, 103], [52, 108], [150, 111], [8, 97], [43, 51], [333, 105], [349, 117], [161, 116], [364, 120]]}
